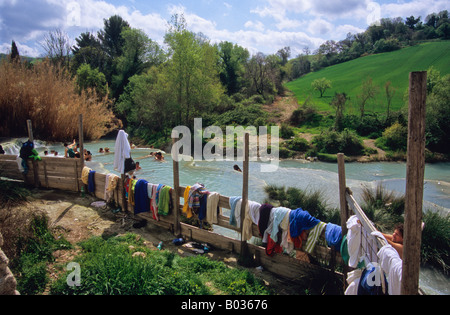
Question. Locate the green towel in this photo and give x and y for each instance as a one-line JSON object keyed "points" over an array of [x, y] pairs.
{"points": [[164, 200]]}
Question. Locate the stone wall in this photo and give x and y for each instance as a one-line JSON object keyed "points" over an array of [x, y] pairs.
{"points": [[8, 283]]}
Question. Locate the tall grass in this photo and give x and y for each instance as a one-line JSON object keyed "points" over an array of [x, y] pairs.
{"points": [[311, 201], [109, 268], [46, 94]]}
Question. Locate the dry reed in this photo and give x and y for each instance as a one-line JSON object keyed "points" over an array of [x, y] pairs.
{"points": [[46, 94]]}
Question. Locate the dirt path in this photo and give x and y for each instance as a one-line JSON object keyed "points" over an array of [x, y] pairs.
{"points": [[73, 217], [281, 109]]}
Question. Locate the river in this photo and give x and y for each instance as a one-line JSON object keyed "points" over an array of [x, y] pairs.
{"points": [[219, 176]]}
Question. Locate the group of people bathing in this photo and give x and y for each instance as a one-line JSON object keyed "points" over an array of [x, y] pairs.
{"points": [[71, 151]]}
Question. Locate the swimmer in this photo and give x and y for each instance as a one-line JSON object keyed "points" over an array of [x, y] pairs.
{"points": [[159, 156], [237, 168]]}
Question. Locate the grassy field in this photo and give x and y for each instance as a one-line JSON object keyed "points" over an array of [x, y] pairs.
{"points": [[394, 66]]}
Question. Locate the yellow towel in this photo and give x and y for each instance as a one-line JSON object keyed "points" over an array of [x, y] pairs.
{"points": [[85, 175], [186, 209]]}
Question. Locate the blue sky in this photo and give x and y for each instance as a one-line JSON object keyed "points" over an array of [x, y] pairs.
{"points": [[258, 25]]}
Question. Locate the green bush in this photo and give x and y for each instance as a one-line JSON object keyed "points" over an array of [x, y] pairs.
{"points": [[298, 144], [396, 137], [333, 142]]}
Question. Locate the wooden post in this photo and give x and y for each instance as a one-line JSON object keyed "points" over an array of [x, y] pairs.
{"points": [[176, 186], [343, 204], [415, 169], [81, 139], [81, 143], [34, 162], [244, 255], [342, 191]]}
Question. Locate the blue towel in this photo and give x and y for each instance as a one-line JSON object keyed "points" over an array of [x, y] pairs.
{"points": [[202, 209], [233, 202], [300, 220], [141, 200], [91, 182], [333, 235]]}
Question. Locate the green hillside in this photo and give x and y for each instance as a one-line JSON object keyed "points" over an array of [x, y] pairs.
{"points": [[393, 66]]}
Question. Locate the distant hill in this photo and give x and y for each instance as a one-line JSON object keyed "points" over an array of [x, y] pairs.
{"points": [[393, 66]]}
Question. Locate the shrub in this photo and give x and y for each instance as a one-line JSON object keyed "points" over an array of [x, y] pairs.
{"points": [[298, 144], [333, 142], [396, 137]]}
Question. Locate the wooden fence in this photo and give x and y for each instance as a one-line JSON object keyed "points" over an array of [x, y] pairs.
{"points": [[65, 174]]}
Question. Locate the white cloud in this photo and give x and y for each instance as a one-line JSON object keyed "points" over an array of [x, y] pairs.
{"points": [[415, 7], [257, 26]]}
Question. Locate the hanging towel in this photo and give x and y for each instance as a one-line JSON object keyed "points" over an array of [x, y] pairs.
{"points": [[186, 209], [203, 206], [105, 193], [141, 200], [353, 241], [152, 189], [278, 215], [264, 215], [253, 210], [333, 236], [212, 208], [392, 265], [164, 200], [353, 278], [233, 202], [313, 236], [251, 216], [300, 220], [122, 151], [85, 175], [372, 281], [91, 181], [131, 192]]}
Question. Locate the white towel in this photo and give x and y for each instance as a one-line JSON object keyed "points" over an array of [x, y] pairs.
{"points": [[353, 241], [251, 216], [392, 265], [122, 151], [211, 208]]}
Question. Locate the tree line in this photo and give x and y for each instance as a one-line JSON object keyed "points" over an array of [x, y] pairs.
{"points": [[388, 35], [155, 88]]}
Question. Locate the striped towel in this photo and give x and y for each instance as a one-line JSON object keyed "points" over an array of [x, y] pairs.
{"points": [[314, 236]]}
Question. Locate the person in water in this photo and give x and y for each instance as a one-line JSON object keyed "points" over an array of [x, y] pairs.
{"points": [[159, 156], [237, 168], [396, 239]]}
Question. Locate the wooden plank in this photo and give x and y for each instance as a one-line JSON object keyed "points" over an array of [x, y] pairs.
{"points": [[7, 157], [365, 222], [176, 185], [415, 170]]}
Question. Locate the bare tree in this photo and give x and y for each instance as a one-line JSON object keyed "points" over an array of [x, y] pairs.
{"points": [[56, 45], [368, 91]]}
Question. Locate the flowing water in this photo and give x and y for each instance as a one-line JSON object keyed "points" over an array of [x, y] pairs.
{"points": [[219, 176]]}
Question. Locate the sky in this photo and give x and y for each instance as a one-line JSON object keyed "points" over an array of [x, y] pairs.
{"points": [[259, 25]]}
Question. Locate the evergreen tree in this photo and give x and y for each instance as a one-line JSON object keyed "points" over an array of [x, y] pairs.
{"points": [[14, 52]]}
